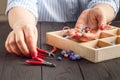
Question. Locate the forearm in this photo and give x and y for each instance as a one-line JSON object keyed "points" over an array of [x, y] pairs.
{"points": [[108, 11], [19, 16]]}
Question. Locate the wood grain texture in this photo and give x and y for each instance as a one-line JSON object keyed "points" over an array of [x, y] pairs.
{"points": [[107, 70], [65, 69], [93, 71], [3, 35], [14, 68]]}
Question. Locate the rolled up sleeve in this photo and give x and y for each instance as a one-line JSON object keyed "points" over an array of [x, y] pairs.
{"points": [[113, 3], [30, 5]]}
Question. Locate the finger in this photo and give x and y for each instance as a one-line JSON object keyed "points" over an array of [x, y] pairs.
{"points": [[35, 31], [7, 45], [13, 46], [92, 21], [20, 41], [31, 39], [82, 20]]}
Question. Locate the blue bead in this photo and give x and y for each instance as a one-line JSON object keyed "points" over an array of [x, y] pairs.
{"points": [[77, 56], [72, 57], [96, 47], [59, 58], [63, 52], [69, 52], [64, 35], [86, 27]]}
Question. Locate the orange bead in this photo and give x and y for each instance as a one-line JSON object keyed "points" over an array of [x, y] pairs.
{"points": [[65, 55]]}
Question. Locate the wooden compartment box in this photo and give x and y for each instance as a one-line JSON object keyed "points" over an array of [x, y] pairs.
{"points": [[95, 51]]}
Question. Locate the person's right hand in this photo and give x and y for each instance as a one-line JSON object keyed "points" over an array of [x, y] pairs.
{"points": [[22, 40]]}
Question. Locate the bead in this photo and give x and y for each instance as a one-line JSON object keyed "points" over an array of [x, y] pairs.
{"points": [[96, 47], [87, 27], [59, 58], [72, 57], [64, 35], [82, 32], [80, 28], [77, 56], [86, 30], [77, 30], [69, 52], [63, 52], [65, 55], [76, 36], [113, 43]]}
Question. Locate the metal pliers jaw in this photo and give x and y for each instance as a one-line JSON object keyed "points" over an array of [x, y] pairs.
{"points": [[50, 54]]}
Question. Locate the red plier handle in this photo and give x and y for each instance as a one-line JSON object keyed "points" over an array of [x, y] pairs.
{"points": [[37, 58], [49, 53], [40, 61]]}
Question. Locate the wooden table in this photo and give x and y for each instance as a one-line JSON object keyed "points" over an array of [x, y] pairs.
{"points": [[14, 68]]}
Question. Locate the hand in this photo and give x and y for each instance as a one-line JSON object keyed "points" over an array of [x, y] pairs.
{"points": [[22, 40], [96, 18]]}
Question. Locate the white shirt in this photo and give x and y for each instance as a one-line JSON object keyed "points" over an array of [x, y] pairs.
{"points": [[59, 10]]}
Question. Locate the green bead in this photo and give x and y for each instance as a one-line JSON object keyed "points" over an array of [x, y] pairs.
{"points": [[113, 43], [80, 28]]}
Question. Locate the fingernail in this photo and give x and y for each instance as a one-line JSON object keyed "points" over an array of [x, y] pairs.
{"points": [[34, 55]]}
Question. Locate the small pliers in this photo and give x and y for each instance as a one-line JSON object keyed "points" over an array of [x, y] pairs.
{"points": [[37, 58]]}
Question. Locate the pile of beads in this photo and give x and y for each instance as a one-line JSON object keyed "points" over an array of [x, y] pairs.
{"points": [[75, 33], [79, 33], [69, 54]]}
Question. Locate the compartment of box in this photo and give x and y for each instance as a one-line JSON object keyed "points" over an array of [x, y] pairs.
{"points": [[105, 35], [118, 32], [107, 53], [96, 44], [115, 31], [112, 40]]}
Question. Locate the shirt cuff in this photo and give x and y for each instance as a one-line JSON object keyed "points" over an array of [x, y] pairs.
{"points": [[113, 3], [26, 4]]}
